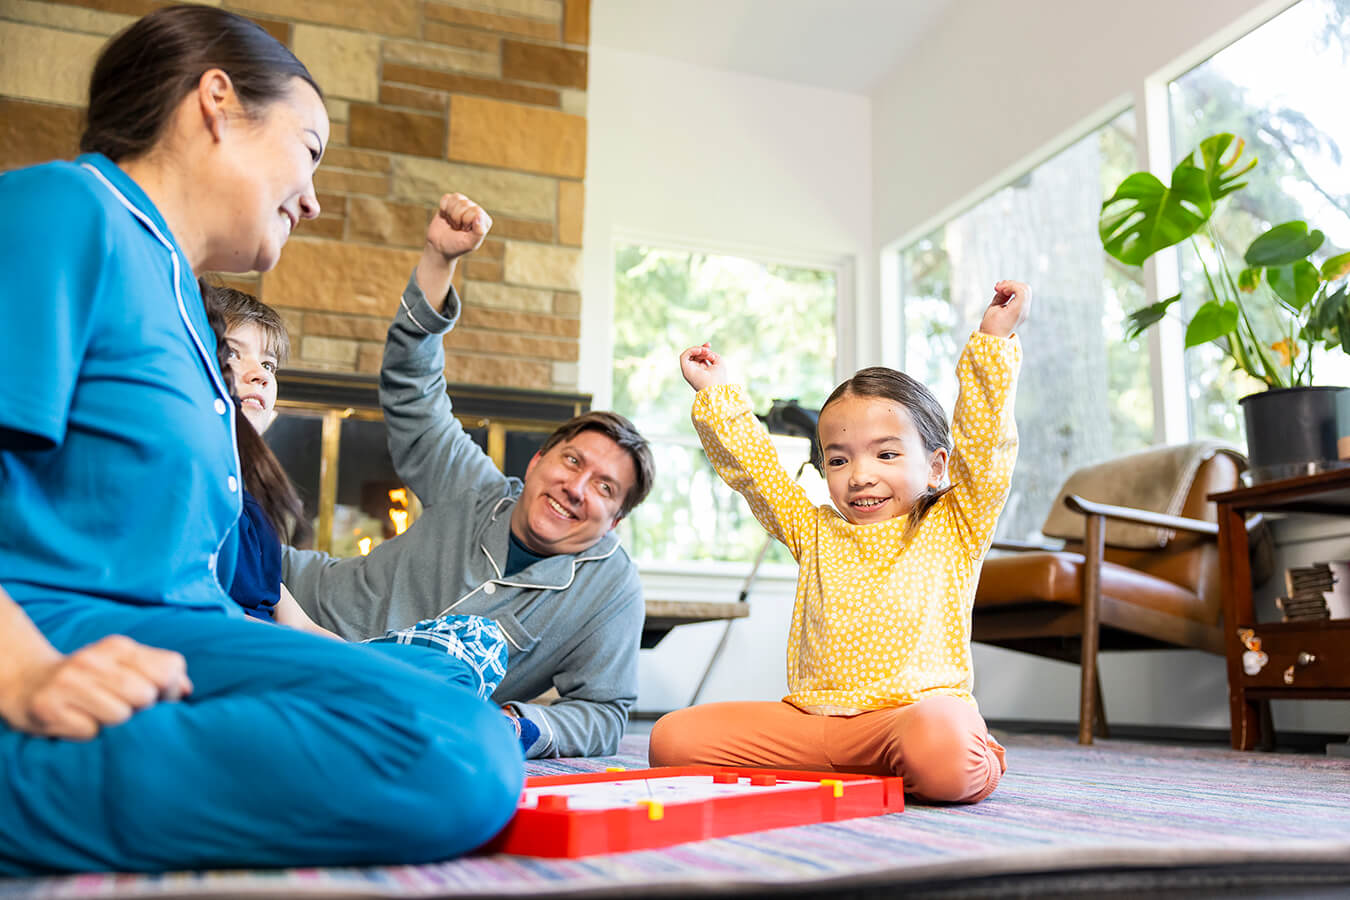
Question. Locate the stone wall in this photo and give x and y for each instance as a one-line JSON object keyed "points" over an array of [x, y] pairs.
{"points": [[485, 97]]}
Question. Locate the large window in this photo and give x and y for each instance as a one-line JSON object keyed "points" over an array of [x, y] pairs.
{"points": [[775, 326], [1281, 89], [1071, 408]]}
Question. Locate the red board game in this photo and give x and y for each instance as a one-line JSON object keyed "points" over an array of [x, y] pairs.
{"points": [[618, 811]]}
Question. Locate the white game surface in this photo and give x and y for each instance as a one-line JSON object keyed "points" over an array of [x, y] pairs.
{"points": [[670, 790]]}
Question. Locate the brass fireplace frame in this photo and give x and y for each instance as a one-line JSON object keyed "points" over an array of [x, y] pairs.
{"points": [[337, 396]]}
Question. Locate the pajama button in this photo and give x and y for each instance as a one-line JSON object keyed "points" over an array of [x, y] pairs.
{"points": [[233, 483], [489, 588], [220, 407]]}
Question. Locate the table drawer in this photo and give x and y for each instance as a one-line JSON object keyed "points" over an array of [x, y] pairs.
{"points": [[1303, 655]]}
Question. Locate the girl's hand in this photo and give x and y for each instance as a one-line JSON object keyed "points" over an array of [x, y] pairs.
{"points": [[1008, 309], [702, 367], [99, 685], [458, 227]]}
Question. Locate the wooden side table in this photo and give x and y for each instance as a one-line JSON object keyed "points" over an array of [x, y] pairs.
{"points": [[1306, 660]]}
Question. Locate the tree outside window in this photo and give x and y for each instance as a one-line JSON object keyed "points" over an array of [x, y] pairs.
{"points": [[1071, 409]]}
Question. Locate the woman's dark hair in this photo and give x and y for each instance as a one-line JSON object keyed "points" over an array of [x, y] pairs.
{"points": [[264, 477], [144, 73], [923, 408], [625, 434]]}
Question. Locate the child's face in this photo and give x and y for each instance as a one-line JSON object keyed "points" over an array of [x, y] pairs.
{"points": [[875, 463], [255, 373]]}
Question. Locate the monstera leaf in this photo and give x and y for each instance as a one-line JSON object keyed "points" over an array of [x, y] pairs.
{"points": [[1220, 177], [1144, 215]]}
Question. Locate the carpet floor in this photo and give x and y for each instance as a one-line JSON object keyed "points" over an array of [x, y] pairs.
{"points": [[1115, 819]]}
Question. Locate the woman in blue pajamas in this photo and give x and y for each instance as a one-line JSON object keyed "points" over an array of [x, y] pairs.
{"points": [[145, 724]]}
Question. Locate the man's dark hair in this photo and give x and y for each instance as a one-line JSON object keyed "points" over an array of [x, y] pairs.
{"points": [[625, 434]]}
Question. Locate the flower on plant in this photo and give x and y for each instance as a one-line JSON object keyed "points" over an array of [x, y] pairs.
{"points": [[1288, 352]]}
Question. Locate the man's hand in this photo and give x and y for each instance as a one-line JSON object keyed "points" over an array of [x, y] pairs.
{"points": [[702, 367], [458, 227], [1008, 309], [98, 685]]}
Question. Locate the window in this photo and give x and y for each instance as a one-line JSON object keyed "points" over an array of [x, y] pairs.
{"points": [[1281, 89], [775, 326], [1071, 409]]}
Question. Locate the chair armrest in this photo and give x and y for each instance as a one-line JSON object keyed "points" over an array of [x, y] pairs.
{"points": [[1140, 516], [1026, 547]]}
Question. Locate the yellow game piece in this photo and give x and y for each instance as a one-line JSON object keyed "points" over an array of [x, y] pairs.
{"points": [[834, 783], [615, 769], [655, 811]]}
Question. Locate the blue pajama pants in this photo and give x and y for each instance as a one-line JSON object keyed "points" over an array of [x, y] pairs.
{"points": [[292, 750]]}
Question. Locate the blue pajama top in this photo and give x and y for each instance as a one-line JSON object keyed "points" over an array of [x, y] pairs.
{"points": [[118, 472], [257, 572]]}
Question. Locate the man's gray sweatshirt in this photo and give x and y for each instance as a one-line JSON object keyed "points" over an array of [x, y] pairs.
{"points": [[573, 621]]}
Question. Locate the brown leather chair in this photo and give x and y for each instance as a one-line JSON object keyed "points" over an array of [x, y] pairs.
{"points": [[1129, 575]]}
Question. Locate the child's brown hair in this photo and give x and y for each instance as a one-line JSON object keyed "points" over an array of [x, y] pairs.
{"points": [[927, 414]]}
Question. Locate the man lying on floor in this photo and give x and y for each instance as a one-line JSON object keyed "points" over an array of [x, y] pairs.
{"points": [[538, 556]]}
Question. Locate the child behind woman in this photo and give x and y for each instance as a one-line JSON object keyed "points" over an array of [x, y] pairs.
{"points": [[251, 345], [879, 664]]}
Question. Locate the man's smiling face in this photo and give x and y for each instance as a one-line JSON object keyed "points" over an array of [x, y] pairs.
{"points": [[573, 494]]}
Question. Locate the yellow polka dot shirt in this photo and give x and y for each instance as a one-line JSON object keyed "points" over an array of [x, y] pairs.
{"points": [[879, 622]]}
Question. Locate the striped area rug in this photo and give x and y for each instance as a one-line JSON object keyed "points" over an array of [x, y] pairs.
{"points": [[1098, 812]]}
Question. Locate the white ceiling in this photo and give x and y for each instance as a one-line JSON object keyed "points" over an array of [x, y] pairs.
{"points": [[842, 45]]}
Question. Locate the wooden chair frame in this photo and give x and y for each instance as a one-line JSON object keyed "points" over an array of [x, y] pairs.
{"points": [[1091, 709]]}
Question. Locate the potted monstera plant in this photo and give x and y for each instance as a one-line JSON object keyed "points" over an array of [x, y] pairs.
{"points": [[1266, 311]]}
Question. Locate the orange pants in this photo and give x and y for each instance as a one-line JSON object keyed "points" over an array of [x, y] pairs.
{"points": [[940, 746]]}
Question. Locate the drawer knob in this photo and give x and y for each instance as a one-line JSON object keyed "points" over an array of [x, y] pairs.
{"points": [[1304, 658]]}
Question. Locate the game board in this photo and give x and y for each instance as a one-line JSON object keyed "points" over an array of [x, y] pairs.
{"points": [[638, 809]]}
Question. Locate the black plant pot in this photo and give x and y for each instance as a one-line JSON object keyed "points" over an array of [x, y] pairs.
{"points": [[1292, 431]]}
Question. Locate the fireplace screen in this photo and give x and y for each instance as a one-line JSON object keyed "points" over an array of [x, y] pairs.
{"points": [[329, 436]]}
